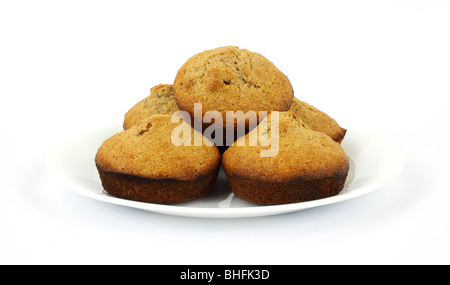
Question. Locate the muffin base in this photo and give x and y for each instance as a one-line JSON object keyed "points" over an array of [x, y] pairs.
{"points": [[275, 193], [160, 191]]}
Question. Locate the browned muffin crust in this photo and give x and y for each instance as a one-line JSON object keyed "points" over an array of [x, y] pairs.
{"points": [[309, 165], [162, 191], [143, 164], [298, 190]]}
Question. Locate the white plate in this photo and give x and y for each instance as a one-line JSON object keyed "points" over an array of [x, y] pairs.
{"points": [[373, 163]]}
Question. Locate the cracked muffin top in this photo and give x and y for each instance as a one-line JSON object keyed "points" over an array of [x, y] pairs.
{"points": [[231, 79]]}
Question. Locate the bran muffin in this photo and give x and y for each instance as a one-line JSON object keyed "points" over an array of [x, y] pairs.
{"points": [[317, 120], [143, 164], [160, 101], [231, 79], [309, 165]]}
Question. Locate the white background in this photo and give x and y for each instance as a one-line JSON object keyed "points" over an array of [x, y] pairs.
{"points": [[70, 66]]}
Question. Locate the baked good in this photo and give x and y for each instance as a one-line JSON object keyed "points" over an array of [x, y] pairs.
{"points": [[143, 164], [231, 79], [306, 165], [317, 120], [160, 101]]}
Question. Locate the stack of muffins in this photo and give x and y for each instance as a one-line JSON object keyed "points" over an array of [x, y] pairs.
{"points": [[143, 164]]}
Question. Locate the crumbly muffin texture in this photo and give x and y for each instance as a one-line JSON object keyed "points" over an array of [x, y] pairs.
{"points": [[231, 79], [160, 101]]}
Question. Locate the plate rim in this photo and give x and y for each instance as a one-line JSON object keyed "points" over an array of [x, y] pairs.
{"points": [[233, 212]]}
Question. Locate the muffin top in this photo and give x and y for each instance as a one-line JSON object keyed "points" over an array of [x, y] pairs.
{"points": [[160, 101], [147, 151], [302, 153], [231, 79], [317, 120]]}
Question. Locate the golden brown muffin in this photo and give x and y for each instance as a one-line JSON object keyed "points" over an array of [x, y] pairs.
{"points": [[308, 165], [231, 79], [160, 101], [143, 164], [317, 120]]}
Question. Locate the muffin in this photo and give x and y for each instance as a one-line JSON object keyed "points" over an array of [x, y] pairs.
{"points": [[231, 79], [317, 120], [307, 164], [144, 164], [160, 101]]}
